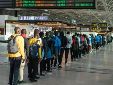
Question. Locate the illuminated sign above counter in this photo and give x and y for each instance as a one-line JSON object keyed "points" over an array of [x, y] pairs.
{"points": [[38, 18]]}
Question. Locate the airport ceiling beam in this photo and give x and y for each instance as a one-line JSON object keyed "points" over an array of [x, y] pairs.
{"points": [[105, 4]]}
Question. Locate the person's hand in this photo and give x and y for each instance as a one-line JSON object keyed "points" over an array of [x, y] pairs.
{"points": [[39, 60], [23, 60]]}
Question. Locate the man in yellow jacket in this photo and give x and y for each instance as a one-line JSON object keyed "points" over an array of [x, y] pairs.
{"points": [[34, 60], [16, 58]]}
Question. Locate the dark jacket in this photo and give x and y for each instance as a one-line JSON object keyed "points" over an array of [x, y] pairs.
{"points": [[63, 41]]}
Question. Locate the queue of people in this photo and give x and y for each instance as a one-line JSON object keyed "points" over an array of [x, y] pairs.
{"points": [[45, 51]]}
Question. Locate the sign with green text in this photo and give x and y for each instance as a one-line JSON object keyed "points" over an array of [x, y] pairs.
{"points": [[60, 4]]}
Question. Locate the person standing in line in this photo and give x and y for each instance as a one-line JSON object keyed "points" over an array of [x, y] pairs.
{"points": [[35, 56], [43, 61], [48, 50], [97, 40], [68, 46], [26, 47], [73, 49], [16, 55], [57, 46], [79, 45], [63, 46]]}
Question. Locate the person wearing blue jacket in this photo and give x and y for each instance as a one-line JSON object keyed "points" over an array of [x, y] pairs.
{"points": [[47, 51], [97, 40], [57, 47]]}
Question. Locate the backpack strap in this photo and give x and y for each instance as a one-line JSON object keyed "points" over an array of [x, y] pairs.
{"points": [[14, 38]]}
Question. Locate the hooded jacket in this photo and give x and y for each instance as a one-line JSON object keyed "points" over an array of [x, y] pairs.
{"points": [[69, 41]]}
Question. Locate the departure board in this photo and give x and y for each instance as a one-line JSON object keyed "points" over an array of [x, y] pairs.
{"points": [[7, 3], [77, 4]]}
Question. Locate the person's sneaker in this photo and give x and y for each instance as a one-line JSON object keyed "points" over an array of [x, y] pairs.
{"points": [[20, 82], [37, 77], [42, 75], [33, 80], [54, 67], [10, 83], [59, 66], [49, 71]]}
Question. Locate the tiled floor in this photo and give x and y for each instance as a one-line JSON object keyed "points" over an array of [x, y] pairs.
{"points": [[94, 69]]}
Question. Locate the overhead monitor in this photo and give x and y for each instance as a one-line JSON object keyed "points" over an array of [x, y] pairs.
{"points": [[56, 4], [7, 3]]}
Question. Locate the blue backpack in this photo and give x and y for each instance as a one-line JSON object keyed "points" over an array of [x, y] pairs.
{"points": [[34, 50]]}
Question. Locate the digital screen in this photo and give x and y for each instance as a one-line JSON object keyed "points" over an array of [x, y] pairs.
{"points": [[77, 4], [6, 3]]}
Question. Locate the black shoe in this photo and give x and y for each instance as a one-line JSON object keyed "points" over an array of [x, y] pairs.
{"points": [[20, 82], [42, 75], [37, 77], [10, 83], [49, 71], [59, 66], [33, 80]]}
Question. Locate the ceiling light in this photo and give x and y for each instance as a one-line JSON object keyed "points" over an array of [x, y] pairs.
{"points": [[104, 20]]}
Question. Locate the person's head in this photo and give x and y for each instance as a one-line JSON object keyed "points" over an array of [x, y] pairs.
{"points": [[51, 34], [61, 33], [68, 32], [41, 34], [56, 33], [17, 30], [78, 35], [47, 34], [73, 37], [36, 33], [23, 31], [75, 34]]}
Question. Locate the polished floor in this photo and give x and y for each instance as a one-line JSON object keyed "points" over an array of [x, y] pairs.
{"points": [[94, 69]]}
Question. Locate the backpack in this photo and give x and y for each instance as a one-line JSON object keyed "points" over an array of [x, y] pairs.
{"points": [[64, 41], [33, 50], [12, 46], [57, 41]]}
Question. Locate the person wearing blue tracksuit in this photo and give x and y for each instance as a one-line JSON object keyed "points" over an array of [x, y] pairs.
{"points": [[97, 40]]}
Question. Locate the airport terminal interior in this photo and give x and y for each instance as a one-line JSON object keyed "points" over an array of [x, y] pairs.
{"points": [[76, 42]]}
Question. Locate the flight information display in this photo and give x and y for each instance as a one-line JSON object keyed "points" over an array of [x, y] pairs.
{"points": [[6, 3], [77, 4]]}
